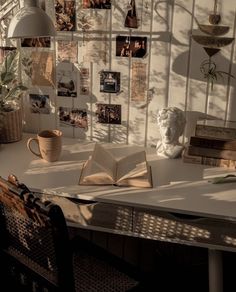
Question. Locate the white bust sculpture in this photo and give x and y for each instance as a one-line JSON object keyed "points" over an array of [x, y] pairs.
{"points": [[171, 122]]}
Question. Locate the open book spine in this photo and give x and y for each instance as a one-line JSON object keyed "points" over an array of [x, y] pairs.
{"points": [[142, 181]]}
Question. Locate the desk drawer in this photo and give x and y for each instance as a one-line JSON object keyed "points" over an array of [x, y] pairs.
{"points": [[194, 230]]}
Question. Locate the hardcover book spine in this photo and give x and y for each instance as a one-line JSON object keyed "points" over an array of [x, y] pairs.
{"points": [[215, 132], [208, 160], [211, 152], [213, 143]]}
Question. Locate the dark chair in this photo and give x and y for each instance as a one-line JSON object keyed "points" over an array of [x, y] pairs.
{"points": [[36, 254]]}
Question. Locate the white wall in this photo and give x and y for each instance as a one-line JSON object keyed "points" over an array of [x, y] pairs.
{"points": [[173, 69]]}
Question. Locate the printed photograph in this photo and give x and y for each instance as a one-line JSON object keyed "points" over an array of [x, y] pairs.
{"points": [[84, 81], [139, 81], [108, 113], [39, 104], [73, 117], [43, 69], [135, 47], [67, 51], [97, 4], [109, 81], [4, 51], [66, 84], [36, 42], [65, 15]]}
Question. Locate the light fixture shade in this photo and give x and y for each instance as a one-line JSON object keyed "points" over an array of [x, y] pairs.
{"points": [[29, 22]]}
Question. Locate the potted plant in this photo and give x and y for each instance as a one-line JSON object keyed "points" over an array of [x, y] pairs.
{"points": [[10, 99]]}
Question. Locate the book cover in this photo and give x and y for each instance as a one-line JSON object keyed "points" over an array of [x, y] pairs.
{"points": [[102, 168], [213, 143]]}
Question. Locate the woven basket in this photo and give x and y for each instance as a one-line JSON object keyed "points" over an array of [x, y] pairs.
{"points": [[11, 126]]}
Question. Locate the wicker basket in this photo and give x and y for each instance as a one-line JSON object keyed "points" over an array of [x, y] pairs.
{"points": [[11, 126]]}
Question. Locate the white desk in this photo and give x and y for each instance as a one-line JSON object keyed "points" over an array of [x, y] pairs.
{"points": [[178, 189]]}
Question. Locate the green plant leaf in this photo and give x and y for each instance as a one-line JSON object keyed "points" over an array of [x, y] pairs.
{"points": [[11, 62], [10, 89], [7, 78], [15, 92]]}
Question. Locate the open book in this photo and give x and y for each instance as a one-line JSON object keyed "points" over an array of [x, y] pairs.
{"points": [[102, 168]]}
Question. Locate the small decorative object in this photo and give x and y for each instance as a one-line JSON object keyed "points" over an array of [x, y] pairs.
{"points": [[212, 42], [131, 20], [10, 99], [171, 122]]}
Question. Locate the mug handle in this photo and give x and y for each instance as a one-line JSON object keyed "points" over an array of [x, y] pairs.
{"points": [[29, 146]]}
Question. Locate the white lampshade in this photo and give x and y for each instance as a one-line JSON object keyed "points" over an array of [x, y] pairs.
{"points": [[31, 21]]}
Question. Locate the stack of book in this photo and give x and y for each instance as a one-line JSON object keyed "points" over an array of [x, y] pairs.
{"points": [[214, 143]]}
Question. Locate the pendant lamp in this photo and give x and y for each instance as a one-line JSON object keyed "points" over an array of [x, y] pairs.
{"points": [[31, 21]]}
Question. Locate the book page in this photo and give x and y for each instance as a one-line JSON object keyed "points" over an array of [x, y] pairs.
{"points": [[134, 165], [92, 173], [104, 159], [143, 181]]}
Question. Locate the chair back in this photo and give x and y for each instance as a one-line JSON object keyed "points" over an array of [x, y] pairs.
{"points": [[35, 239]]}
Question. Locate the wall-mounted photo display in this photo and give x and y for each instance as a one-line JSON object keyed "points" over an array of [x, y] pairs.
{"points": [[65, 15], [43, 42], [97, 4], [39, 104], [108, 113], [67, 51], [66, 83], [138, 83], [4, 51], [131, 19], [43, 69], [84, 81], [73, 117], [127, 46], [109, 81]]}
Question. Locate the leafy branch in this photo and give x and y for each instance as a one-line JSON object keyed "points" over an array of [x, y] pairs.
{"points": [[209, 71], [10, 89]]}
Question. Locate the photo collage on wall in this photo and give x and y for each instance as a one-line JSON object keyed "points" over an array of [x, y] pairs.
{"points": [[109, 81], [108, 113], [66, 83], [97, 4], [43, 69], [39, 104], [4, 51], [73, 76], [134, 47], [65, 15], [84, 81], [73, 117], [67, 51], [44, 42], [138, 83]]}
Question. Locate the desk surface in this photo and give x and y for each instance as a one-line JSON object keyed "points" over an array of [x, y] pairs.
{"points": [[178, 187]]}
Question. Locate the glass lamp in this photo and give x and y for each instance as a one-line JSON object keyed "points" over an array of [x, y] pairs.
{"points": [[31, 21]]}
